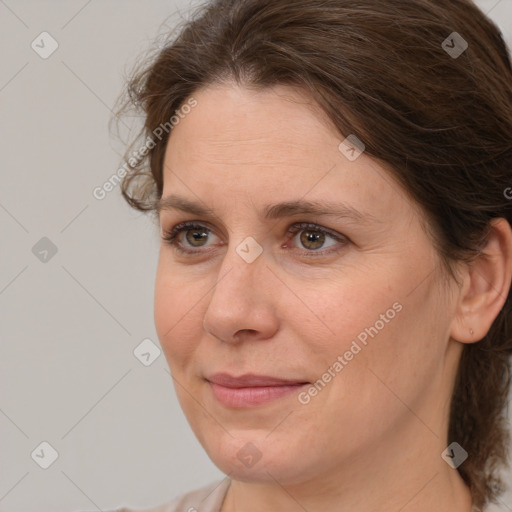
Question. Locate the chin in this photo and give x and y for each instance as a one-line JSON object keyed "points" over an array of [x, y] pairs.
{"points": [[245, 459]]}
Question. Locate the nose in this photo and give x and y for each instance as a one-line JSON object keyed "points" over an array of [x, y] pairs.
{"points": [[242, 303]]}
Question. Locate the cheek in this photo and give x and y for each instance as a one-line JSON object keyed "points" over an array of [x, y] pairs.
{"points": [[345, 310], [177, 318], [376, 326], [395, 351]]}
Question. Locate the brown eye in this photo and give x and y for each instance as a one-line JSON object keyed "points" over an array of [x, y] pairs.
{"points": [[196, 237], [312, 239]]}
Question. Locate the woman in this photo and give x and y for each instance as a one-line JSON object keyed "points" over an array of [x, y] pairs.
{"points": [[332, 182]]}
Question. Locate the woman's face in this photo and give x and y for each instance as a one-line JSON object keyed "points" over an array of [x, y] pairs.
{"points": [[345, 305]]}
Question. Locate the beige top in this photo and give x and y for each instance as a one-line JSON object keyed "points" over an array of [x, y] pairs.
{"points": [[205, 499]]}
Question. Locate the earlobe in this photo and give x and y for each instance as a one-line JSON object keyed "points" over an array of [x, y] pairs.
{"points": [[486, 286]]}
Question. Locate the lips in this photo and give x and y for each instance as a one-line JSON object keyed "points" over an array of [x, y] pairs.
{"points": [[250, 381], [250, 390]]}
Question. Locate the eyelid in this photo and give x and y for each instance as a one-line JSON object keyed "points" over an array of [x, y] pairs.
{"points": [[296, 227]]}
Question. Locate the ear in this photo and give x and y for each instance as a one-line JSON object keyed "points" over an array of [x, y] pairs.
{"points": [[486, 283]]}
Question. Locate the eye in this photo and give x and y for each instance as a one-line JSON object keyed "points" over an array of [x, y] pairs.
{"points": [[313, 238], [196, 236]]}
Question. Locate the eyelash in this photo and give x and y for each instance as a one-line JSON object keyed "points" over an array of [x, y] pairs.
{"points": [[170, 237]]}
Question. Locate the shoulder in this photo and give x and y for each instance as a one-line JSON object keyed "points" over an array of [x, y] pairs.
{"points": [[205, 499]]}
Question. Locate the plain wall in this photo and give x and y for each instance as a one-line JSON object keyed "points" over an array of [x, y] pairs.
{"points": [[69, 325]]}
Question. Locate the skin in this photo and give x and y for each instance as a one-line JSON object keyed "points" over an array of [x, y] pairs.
{"points": [[371, 439]]}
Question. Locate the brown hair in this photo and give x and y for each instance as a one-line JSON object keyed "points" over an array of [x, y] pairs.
{"points": [[441, 123]]}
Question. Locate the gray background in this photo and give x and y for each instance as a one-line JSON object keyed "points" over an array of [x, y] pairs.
{"points": [[69, 326]]}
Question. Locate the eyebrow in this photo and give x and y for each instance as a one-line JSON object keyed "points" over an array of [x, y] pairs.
{"points": [[271, 211]]}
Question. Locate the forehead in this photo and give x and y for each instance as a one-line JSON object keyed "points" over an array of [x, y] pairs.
{"points": [[270, 144], [279, 115]]}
